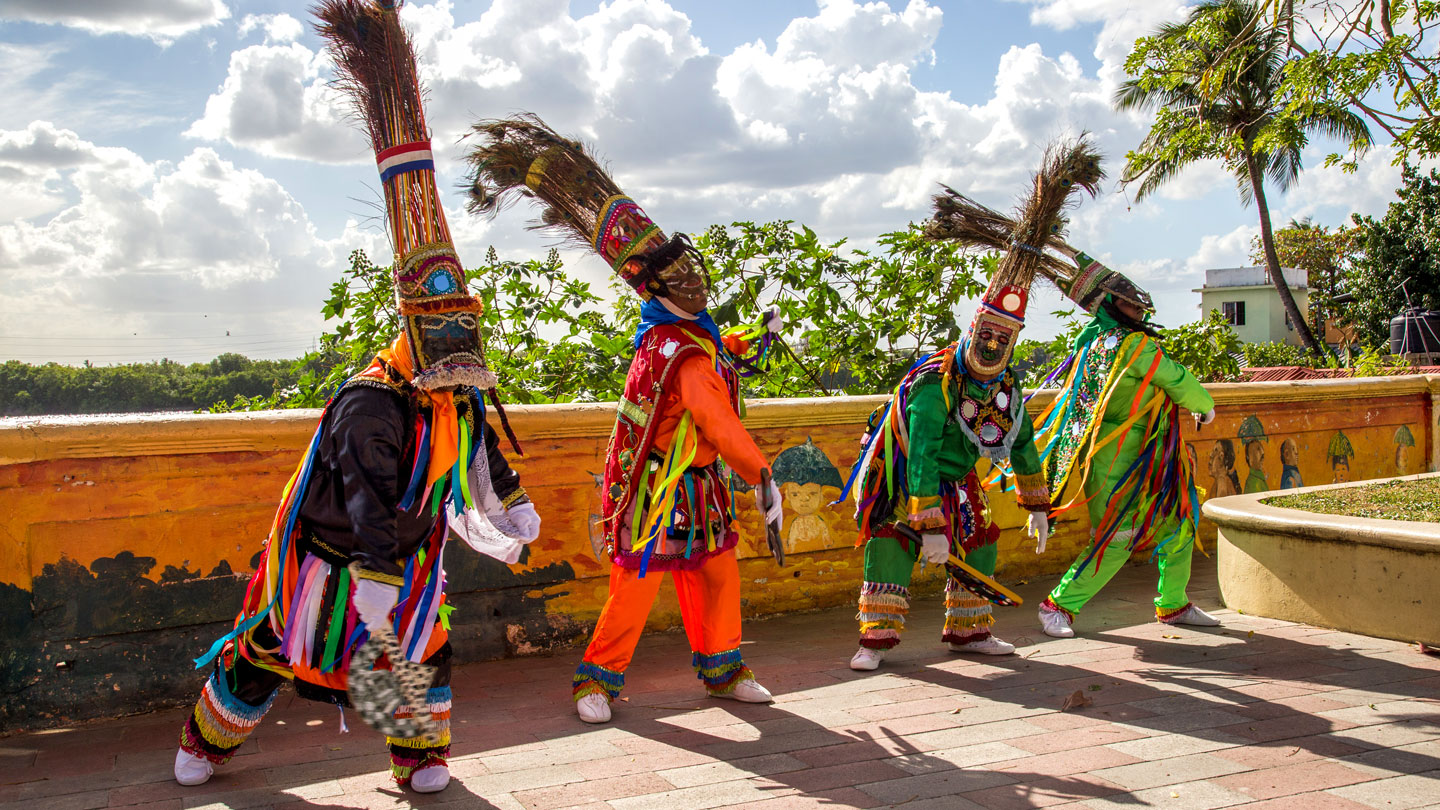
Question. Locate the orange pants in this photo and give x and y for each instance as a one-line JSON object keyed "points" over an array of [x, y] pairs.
{"points": [[709, 607]]}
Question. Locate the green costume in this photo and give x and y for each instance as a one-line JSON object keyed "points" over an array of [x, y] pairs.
{"points": [[1114, 428], [919, 475]]}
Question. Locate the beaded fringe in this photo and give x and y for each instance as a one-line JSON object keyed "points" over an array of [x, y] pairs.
{"points": [[220, 722], [410, 755], [1168, 616], [593, 679], [1049, 604], [721, 672], [883, 607], [967, 617]]}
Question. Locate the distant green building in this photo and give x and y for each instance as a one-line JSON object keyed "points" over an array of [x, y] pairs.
{"points": [[1251, 305]]}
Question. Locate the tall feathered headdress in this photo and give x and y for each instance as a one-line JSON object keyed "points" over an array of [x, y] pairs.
{"points": [[522, 156], [1085, 281], [375, 63], [1069, 166]]}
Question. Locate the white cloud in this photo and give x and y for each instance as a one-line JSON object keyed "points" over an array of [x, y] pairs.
{"points": [[169, 245], [275, 102], [1122, 22], [160, 20], [1330, 194], [1222, 250], [820, 121], [278, 28], [32, 164]]}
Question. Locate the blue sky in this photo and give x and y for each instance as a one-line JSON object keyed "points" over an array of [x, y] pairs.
{"points": [[183, 171]]}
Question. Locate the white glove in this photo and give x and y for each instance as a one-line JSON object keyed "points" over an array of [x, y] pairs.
{"points": [[774, 323], [1038, 527], [935, 548], [526, 520], [774, 513], [1205, 418], [374, 601]]}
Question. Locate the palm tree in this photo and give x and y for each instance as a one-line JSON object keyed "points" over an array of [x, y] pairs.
{"points": [[1214, 82]]}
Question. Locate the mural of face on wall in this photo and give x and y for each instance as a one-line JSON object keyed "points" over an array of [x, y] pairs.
{"points": [[809, 481], [595, 519], [1223, 480], [1340, 452], [1404, 450], [1290, 465], [1252, 436]]}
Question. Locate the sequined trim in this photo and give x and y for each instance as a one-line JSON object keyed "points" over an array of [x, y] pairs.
{"points": [[722, 671], [883, 608], [1169, 616], [967, 617], [220, 722], [377, 576], [593, 679]]}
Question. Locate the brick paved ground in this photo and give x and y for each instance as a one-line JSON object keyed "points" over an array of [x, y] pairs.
{"points": [[1260, 713]]}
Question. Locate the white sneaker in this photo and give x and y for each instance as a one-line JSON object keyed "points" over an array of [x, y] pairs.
{"points": [[191, 770], [1056, 623], [1194, 617], [593, 708], [985, 646], [747, 691], [867, 659], [431, 779]]}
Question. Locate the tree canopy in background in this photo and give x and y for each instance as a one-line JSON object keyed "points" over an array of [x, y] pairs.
{"points": [[1216, 84], [1378, 57], [1399, 259], [856, 320], [1325, 254], [28, 390]]}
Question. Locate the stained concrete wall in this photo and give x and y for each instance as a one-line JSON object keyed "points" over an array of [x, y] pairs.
{"points": [[125, 542], [1359, 575]]}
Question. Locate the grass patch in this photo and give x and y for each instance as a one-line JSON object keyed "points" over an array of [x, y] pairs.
{"points": [[1391, 500]]}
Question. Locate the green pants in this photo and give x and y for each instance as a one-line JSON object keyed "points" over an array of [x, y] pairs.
{"points": [[885, 595], [1081, 583]]}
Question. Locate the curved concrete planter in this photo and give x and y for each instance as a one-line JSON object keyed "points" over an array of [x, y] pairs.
{"points": [[1376, 577]]}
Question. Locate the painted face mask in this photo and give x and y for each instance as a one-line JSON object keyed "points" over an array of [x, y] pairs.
{"points": [[994, 331]]}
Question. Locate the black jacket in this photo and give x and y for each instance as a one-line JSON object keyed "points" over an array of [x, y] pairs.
{"points": [[361, 468]]}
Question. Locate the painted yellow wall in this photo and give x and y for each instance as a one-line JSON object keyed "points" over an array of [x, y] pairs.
{"points": [[194, 491]]}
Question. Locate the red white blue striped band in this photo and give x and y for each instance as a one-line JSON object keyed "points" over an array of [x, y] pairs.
{"points": [[406, 157]]}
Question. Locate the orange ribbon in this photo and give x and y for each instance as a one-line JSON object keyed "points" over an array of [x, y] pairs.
{"points": [[444, 422]]}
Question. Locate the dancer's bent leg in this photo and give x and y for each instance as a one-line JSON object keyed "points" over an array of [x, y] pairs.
{"points": [[885, 593]]}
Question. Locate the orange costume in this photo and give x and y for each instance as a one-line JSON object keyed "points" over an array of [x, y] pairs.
{"points": [[696, 541], [668, 496]]}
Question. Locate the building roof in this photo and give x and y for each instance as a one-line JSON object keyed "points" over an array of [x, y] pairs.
{"points": [[1252, 277], [1288, 373]]}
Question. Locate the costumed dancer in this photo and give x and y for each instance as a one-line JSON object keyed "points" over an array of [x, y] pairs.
{"points": [[354, 556], [668, 503], [919, 494], [1113, 431]]}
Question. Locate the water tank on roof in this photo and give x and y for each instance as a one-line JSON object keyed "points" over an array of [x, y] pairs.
{"points": [[1415, 331]]}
